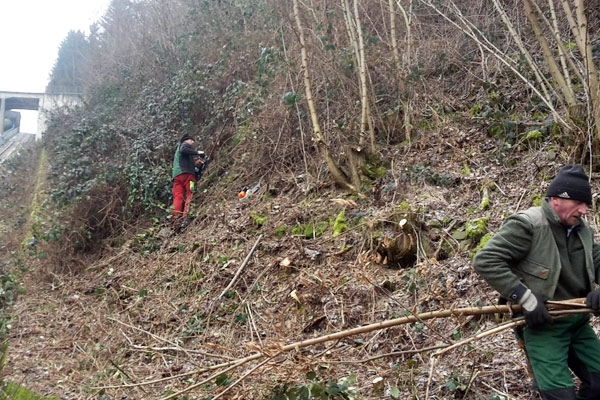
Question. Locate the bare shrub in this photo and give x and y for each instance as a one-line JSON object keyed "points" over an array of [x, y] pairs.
{"points": [[87, 229]]}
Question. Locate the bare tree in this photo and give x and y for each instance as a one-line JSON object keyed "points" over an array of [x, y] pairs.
{"points": [[400, 65], [318, 138], [579, 28], [561, 66]]}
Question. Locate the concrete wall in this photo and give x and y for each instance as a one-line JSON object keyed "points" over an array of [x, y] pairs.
{"points": [[41, 102], [50, 102]]}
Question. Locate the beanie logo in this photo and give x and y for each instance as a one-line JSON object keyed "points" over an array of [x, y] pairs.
{"points": [[564, 195]]}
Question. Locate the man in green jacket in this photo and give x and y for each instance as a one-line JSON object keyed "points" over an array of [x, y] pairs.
{"points": [[184, 178], [548, 253]]}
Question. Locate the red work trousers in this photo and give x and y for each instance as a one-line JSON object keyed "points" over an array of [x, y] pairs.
{"points": [[182, 195]]}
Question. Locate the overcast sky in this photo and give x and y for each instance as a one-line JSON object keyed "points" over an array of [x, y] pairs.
{"points": [[31, 32]]}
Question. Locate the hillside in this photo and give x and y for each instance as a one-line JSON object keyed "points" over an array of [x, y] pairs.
{"points": [[383, 142], [146, 311]]}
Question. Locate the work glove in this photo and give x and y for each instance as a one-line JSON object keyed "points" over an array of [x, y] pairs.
{"points": [[535, 312], [593, 299], [200, 153]]}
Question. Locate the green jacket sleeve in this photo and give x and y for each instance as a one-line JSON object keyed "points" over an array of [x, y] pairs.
{"points": [[496, 260]]}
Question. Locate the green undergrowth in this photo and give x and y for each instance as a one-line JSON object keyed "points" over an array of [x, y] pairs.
{"points": [[13, 268], [316, 388], [12, 391]]}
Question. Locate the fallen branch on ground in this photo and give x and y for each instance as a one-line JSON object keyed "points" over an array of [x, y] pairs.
{"points": [[213, 303], [560, 308]]}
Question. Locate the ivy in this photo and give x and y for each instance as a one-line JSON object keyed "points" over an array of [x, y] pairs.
{"points": [[317, 389]]}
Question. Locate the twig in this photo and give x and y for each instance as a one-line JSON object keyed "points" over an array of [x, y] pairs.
{"points": [[195, 385], [502, 327], [519, 202], [251, 317], [471, 380], [151, 335], [239, 271], [498, 391], [521, 321], [392, 354], [121, 370], [242, 378], [498, 187], [160, 349], [169, 378], [432, 362], [446, 231], [568, 303], [175, 348]]}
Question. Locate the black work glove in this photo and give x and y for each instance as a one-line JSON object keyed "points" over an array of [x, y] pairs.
{"points": [[535, 312], [593, 299]]}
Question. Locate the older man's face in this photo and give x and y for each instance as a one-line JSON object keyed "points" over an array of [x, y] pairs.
{"points": [[569, 211]]}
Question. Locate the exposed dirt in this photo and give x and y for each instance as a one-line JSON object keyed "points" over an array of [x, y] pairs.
{"points": [[141, 321]]}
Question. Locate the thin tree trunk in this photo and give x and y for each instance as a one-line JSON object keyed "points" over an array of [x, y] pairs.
{"points": [[553, 67], [364, 96], [473, 32], [403, 66], [318, 138], [538, 75], [354, 156], [562, 53], [579, 28]]}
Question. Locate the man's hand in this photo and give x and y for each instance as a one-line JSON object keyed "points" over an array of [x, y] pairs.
{"points": [[535, 312], [593, 299], [538, 316]]}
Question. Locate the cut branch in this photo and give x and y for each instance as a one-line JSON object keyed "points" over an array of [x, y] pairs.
{"points": [[575, 306], [239, 271]]}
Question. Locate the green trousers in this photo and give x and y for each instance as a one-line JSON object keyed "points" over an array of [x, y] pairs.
{"points": [[568, 344]]}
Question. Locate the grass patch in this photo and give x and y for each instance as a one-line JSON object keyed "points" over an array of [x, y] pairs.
{"points": [[13, 391]]}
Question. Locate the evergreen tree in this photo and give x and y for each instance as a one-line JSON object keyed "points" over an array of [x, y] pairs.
{"points": [[67, 73]]}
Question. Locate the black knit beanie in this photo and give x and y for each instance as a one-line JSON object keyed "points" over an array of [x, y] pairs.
{"points": [[185, 137], [571, 183]]}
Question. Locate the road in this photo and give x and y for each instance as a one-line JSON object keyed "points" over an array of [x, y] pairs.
{"points": [[7, 147]]}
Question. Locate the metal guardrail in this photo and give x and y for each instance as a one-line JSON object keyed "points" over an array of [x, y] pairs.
{"points": [[8, 134]]}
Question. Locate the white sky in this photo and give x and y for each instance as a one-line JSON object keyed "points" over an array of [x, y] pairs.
{"points": [[31, 32]]}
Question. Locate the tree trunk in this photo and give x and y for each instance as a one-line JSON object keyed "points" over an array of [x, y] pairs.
{"points": [[318, 138], [364, 96], [401, 67], [579, 28], [553, 67], [542, 82]]}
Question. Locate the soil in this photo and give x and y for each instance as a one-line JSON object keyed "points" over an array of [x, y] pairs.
{"points": [[149, 317]]}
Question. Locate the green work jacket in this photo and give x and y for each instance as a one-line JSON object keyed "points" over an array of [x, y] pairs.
{"points": [[183, 161], [526, 250]]}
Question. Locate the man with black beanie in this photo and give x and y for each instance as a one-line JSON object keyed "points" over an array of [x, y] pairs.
{"points": [[548, 253]]}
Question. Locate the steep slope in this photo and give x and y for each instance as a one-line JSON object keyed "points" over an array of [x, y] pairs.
{"points": [[151, 318]]}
